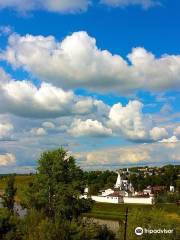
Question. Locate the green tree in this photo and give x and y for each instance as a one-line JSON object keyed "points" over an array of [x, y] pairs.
{"points": [[9, 194], [9, 225], [57, 187]]}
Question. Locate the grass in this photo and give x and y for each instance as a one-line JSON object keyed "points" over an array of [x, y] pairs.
{"points": [[117, 211], [21, 181], [147, 216]]}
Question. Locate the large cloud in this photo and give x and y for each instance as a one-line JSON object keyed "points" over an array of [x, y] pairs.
{"points": [[150, 154], [77, 62], [125, 3], [23, 98], [60, 6], [131, 122], [158, 133], [89, 127], [128, 119], [7, 159], [172, 139]]}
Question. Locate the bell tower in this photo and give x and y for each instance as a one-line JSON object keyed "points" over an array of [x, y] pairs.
{"points": [[118, 181]]}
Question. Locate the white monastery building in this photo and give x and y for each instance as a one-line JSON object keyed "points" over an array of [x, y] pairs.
{"points": [[123, 192]]}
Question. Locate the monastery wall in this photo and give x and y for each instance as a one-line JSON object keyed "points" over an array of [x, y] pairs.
{"points": [[139, 200]]}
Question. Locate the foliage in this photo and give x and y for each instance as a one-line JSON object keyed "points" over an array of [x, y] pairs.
{"points": [[21, 182], [97, 180], [39, 226], [147, 216], [165, 176], [169, 197], [9, 225], [153, 220], [9, 193], [57, 187]]}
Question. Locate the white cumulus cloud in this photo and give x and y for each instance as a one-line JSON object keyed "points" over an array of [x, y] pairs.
{"points": [[172, 139], [158, 133], [129, 120], [114, 157], [38, 132], [23, 98], [78, 62], [89, 127], [7, 159]]}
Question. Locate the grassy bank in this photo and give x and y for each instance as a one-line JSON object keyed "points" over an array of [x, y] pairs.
{"points": [[151, 217]]}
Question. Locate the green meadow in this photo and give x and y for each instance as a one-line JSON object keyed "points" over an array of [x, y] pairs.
{"points": [[21, 181], [117, 211], [159, 216]]}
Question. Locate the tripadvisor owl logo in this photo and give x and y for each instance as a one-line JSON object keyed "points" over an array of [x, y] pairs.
{"points": [[139, 231]]}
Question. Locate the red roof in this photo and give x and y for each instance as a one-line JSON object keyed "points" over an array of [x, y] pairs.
{"points": [[115, 194]]}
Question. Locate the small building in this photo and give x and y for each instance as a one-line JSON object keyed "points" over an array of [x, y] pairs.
{"points": [[158, 189], [171, 189], [107, 192], [147, 190]]}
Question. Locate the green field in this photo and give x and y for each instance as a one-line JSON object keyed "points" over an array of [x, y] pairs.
{"points": [[117, 211], [151, 217], [20, 183]]}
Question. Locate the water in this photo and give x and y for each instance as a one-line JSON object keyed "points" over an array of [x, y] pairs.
{"points": [[111, 224], [17, 208]]}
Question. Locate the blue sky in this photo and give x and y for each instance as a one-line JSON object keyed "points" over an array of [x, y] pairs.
{"points": [[98, 77]]}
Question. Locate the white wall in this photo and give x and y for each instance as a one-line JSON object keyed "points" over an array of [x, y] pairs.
{"points": [[106, 199], [139, 200]]}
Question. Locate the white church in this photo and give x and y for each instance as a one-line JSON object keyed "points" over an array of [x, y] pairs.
{"points": [[123, 192]]}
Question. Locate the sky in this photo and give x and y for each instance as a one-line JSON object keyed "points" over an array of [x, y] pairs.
{"points": [[99, 78]]}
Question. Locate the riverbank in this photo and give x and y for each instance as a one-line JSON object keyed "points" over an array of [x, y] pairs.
{"points": [[161, 216]]}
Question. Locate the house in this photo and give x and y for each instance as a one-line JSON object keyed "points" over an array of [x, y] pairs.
{"points": [[171, 189], [158, 189]]}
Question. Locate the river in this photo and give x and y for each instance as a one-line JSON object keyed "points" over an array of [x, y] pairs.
{"points": [[111, 224], [17, 208]]}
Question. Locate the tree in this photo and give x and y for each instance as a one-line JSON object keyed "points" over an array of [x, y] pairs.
{"points": [[9, 194], [9, 225], [57, 187], [38, 226]]}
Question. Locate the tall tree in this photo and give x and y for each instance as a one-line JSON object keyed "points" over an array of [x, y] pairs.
{"points": [[9, 194], [58, 185]]}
